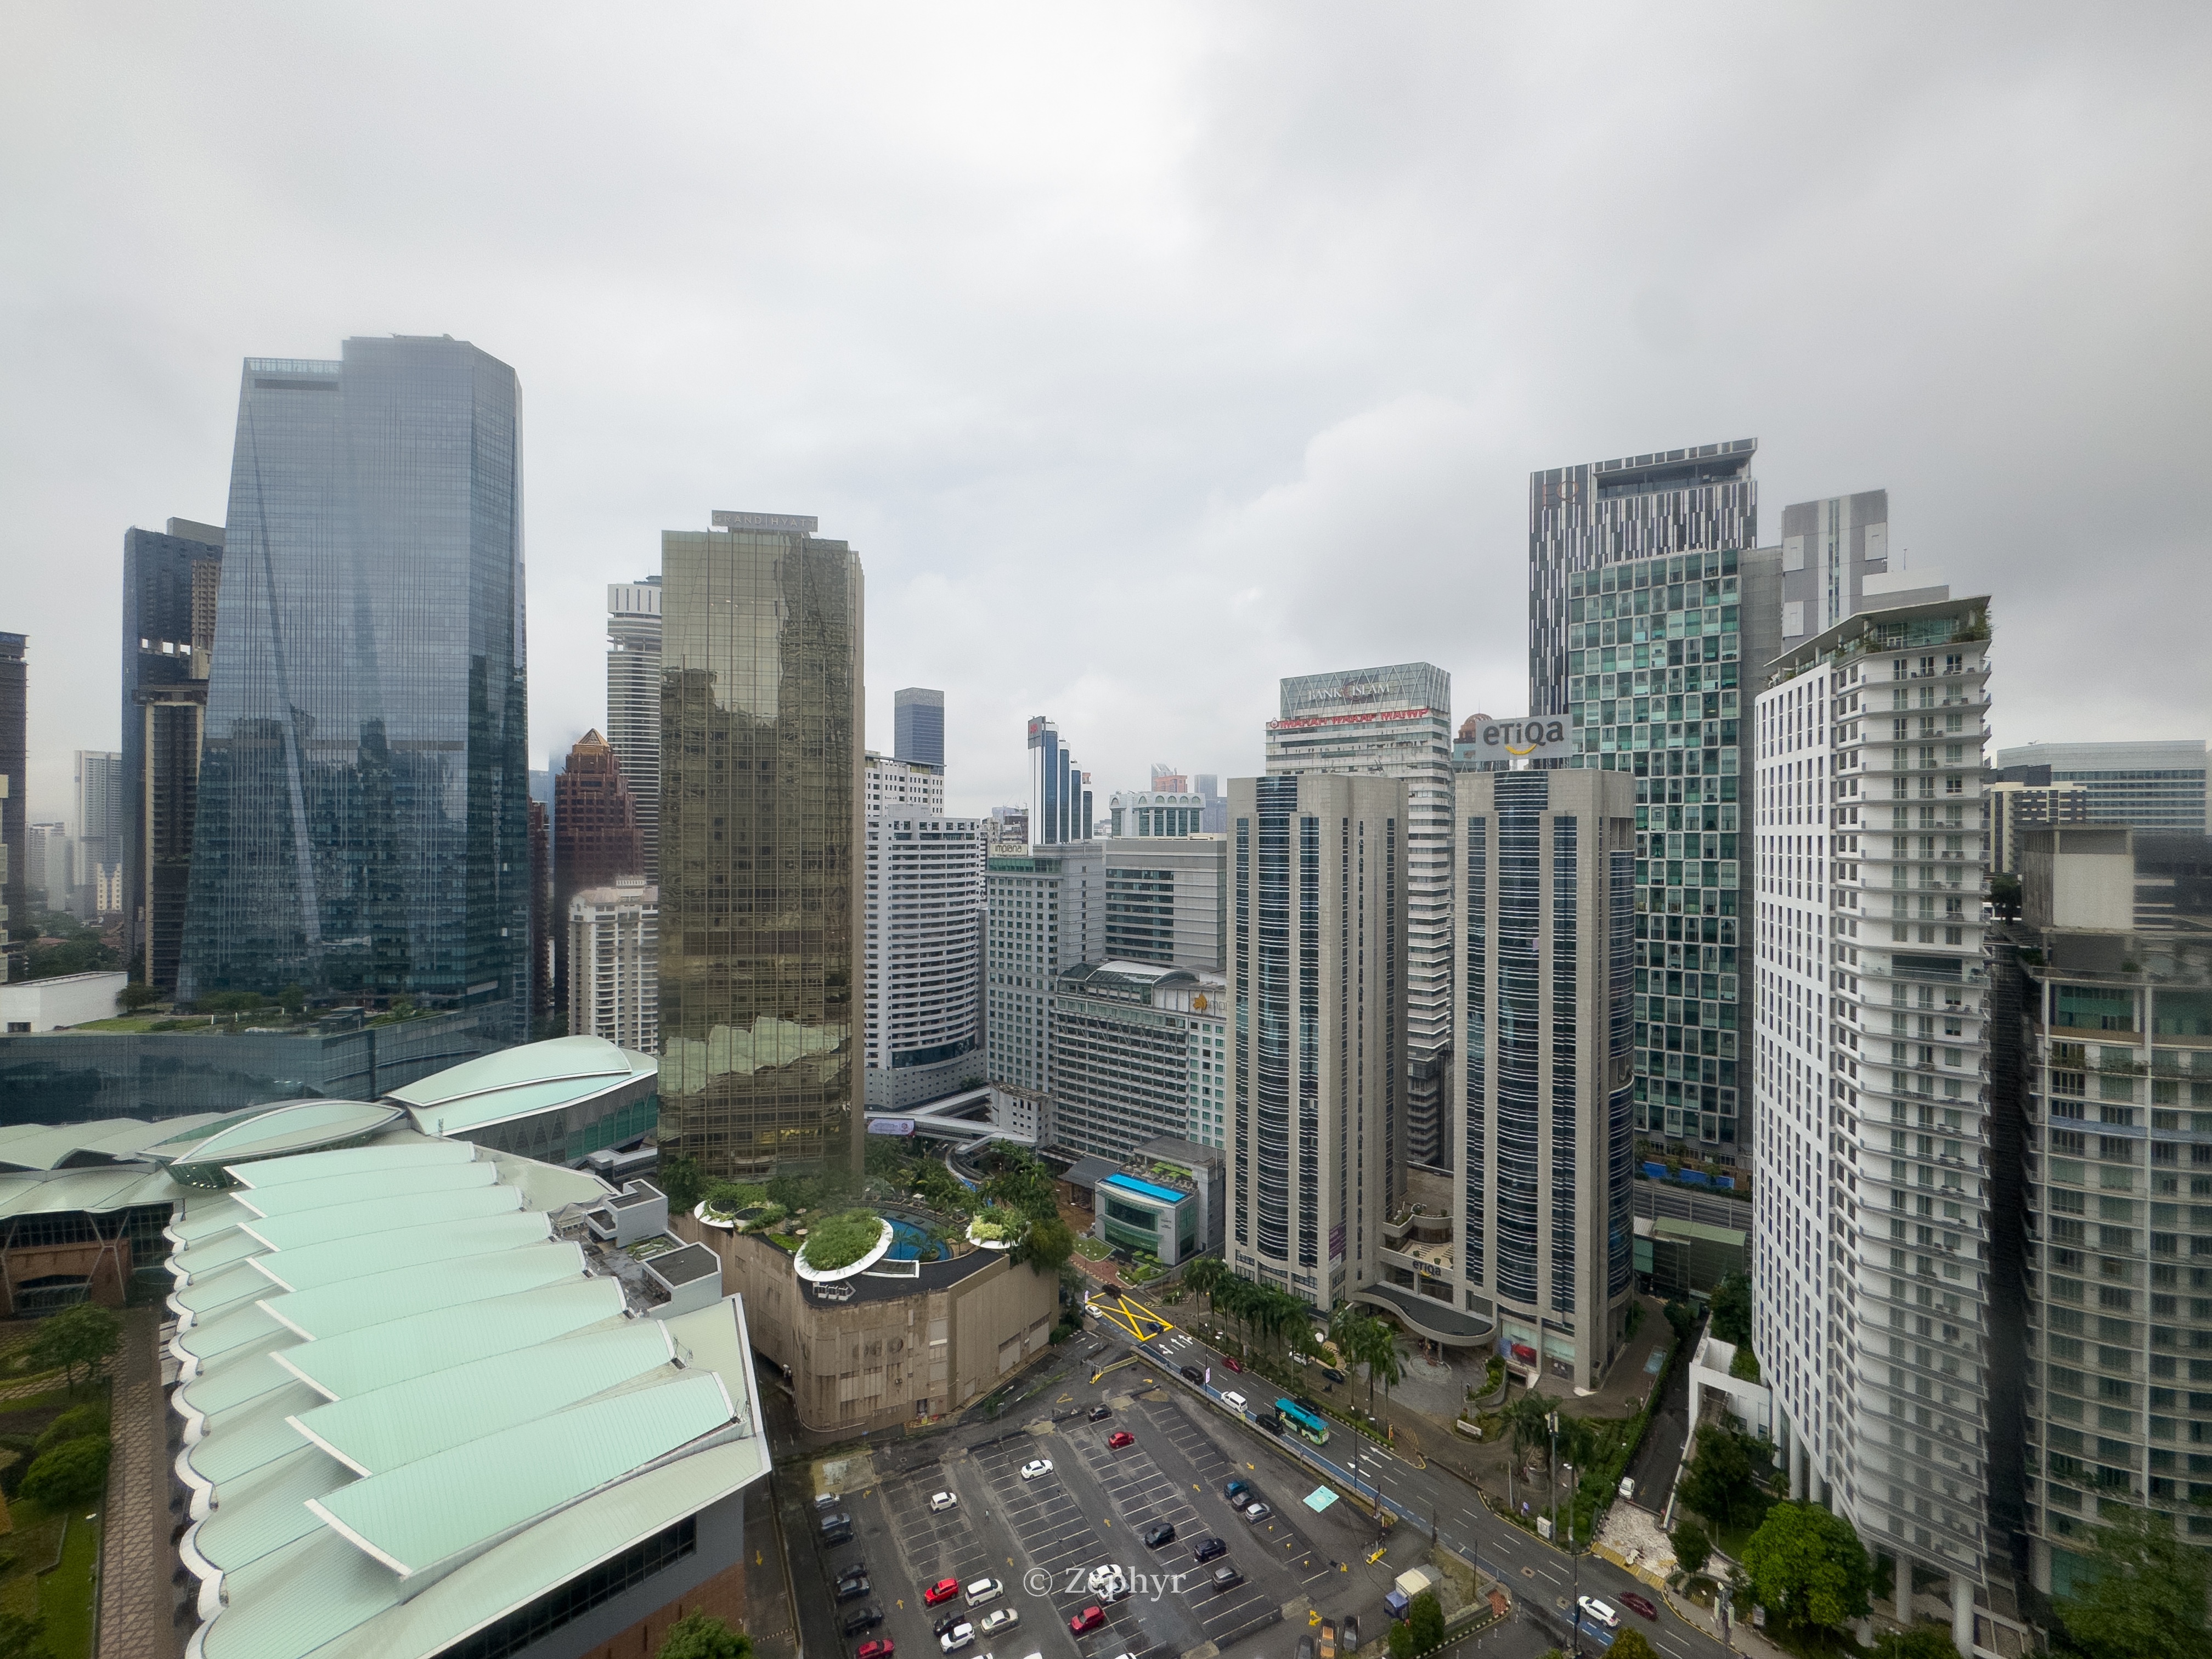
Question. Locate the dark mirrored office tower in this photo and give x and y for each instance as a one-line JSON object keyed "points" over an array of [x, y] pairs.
{"points": [[14, 822], [1636, 508], [918, 714], [361, 825], [170, 581], [761, 846]]}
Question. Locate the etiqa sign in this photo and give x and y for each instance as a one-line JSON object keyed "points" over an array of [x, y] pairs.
{"points": [[1487, 742]]}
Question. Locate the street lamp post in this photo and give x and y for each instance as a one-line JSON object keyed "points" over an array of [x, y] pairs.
{"points": [[1573, 1563]]}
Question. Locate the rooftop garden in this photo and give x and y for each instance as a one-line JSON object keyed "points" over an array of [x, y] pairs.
{"points": [[840, 1240]]}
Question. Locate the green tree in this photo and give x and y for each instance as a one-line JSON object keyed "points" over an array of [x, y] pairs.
{"points": [[1723, 1480], [1808, 1567], [1745, 1365], [86, 1335], [2148, 1594], [683, 1180], [1921, 1642], [1692, 1548], [702, 1636], [292, 999], [2005, 898], [1732, 1308], [133, 996], [1204, 1276], [1420, 1629], [1632, 1644], [1023, 1184], [1683, 1316], [1382, 1353], [23, 1637], [1527, 1420], [72, 1424], [74, 1472], [1046, 1246]]}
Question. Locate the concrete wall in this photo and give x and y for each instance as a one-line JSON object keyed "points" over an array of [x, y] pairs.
{"points": [[2079, 877], [42, 1005]]}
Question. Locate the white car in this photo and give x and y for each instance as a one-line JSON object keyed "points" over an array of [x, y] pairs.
{"points": [[939, 1503], [1004, 1619], [1598, 1613], [984, 1589], [957, 1637], [1036, 1467], [1233, 1400], [1106, 1581]]}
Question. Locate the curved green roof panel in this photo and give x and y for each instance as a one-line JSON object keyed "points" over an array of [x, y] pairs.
{"points": [[392, 1151], [356, 1257], [378, 1356], [289, 1126], [334, 1309]]}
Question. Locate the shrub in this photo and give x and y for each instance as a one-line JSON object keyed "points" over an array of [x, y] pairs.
{"points": [[74, 1472], [1692, 1548], [702, 1636], [994, 1225], [839, 1241], [74, 1424], [1745, 1366]]}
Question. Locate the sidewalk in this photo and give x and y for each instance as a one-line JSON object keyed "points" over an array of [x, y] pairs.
{"points": [[1740, 1636], [135, 1600]]}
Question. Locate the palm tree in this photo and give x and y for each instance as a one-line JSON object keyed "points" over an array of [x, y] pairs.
{"points": [[1348, 1328], [1528, 1419], [1385, 1354], [1204, 1276]]}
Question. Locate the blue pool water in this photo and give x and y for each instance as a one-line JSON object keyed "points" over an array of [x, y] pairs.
{"points": [[909, 1242]]}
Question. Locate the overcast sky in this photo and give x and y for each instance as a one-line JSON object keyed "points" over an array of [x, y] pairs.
{"points": [[1145, 353]]}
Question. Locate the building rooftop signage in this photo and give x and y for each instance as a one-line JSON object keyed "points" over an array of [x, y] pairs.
{"points": [[1484, 742], [804, 524]]}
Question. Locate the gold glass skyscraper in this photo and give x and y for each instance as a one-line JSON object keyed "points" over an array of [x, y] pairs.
{"points": [[760, 845]]}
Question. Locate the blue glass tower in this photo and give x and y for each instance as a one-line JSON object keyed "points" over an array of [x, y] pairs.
{"points": [[361, 826]]}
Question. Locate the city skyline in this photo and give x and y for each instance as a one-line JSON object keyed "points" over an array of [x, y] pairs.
{"points": [[1136, 464]]}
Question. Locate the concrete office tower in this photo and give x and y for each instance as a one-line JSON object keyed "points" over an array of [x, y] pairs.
{"points": [[361, 826], [1318, 942], [2102, 1078], [1060, 794], [633, 703], [614, 964], [170, 583], [1155, 813], [595, 837], [15, 818], [2151, 785], [99, 832], [1664, 660], [1396, 722], [1546, 898], [1836, 563], [1137, 1053], [51, 880], [1166, 780], [918, 718], [541, 911], [1872, 1206], [1167, 901], [763, 862], [1673, 500], [909, 787], [923, 987], [2018, 808], [1044, 910], [1207, 786]]}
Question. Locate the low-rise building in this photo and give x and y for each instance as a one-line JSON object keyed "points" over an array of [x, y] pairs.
{"points": [[1156, 812], [32, 1006]]}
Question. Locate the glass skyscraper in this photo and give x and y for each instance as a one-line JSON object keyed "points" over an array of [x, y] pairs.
{"points": [[918, 720], [761, 846], [361, 826]]}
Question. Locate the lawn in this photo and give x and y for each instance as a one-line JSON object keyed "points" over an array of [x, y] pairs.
{"points": [[1092, 1250], [62, 1596]]}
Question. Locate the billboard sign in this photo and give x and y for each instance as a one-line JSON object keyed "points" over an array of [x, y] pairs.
{"points": [[1497, 745]]}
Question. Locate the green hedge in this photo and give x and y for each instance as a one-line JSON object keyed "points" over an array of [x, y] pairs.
{"points": [[839, 1241]]}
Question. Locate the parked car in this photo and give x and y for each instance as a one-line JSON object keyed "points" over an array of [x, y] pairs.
{"points": [[1236, 1489], [881, 1648], [942, 1590], [1347, 1635], [1333, 1374], [1597, 1612], [999, 1619], [941, 1501], [850, 1589], [1206, 1548], [1297, 1358], [1090, 1619], [1227, 1577], [1103, 1579], [984, 1589], [828, 1500], [842, 1535], [955, 1617], [960, 1636], [862, 1619], [1256, 1512], [1100, 1413], [837, 1521], [1305, 1647], [1233, 1400], [856, 1569], [1639, 1605], [1163, 1532], [1036, 1467], [1120, 1438], [1627, 1486], [1233, 1364]]}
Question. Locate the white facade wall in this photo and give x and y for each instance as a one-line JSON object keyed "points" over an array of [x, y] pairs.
{"points": [[923, 991], [1045, 910], [907, 788], [614, 964], [46, 1005]]}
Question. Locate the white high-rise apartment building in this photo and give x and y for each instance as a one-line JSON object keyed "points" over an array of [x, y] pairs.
{"points": [[1045, 911], [1317, 947], [633, 703], [1166, 901], [1396, 722], [1872, 1214], [614, 964], [922, 992]]}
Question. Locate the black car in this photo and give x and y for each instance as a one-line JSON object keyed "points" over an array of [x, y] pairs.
{"points": [[947, 1623], [1305, 1647], [1192, 1373], [1347, 1635], [1206, 1548], [1227, 1577], [1332, 1373], [1162, 1534], [862, 1619], [850, 1589], [1100, 1413], [858, 1569], [842, 1535]]}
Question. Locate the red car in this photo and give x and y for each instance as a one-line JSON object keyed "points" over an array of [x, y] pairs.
{"points": [[1090, 1619], [1233, 1364], [1120, 1438], [942, 1590], [882, 1647], [1639, 1604]]}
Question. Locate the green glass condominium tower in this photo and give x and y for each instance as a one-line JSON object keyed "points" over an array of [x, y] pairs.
{"points": [[762, 845], [361, 826]]}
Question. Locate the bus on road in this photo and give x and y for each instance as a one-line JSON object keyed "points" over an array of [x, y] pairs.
{"points": [[1296, 1417]]}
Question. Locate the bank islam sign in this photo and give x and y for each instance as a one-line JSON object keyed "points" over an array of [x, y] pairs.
{"points": [[1499, 743]]}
